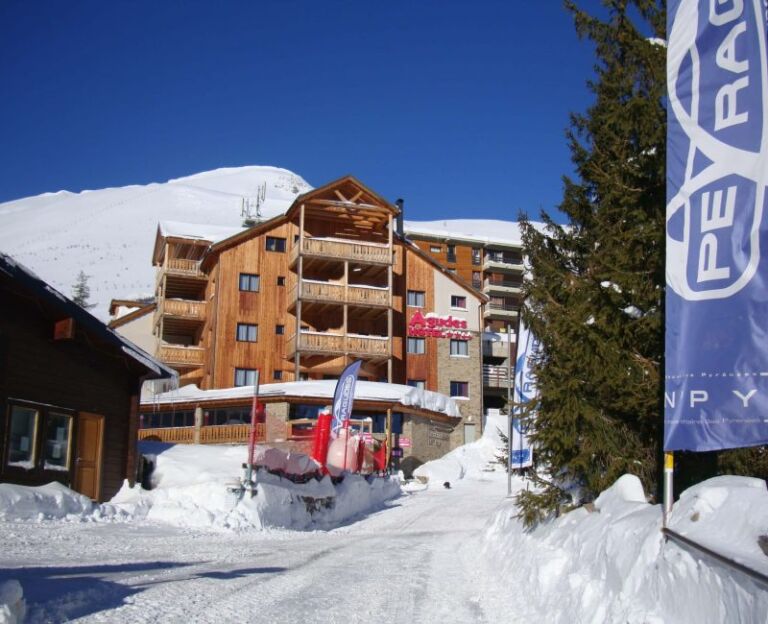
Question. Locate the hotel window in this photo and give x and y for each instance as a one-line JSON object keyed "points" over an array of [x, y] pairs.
{"points": [[436, 249], [475, 255], [275, 244], [277, 375], [417, 383], [249, 282], [476, 280], [459, 347], [279, 330], [58, 430], [246, 332], [459, 302], [451, 256], [460, 389], [22, 437], [246, 377], [281, 280], [415, 345], [416, 298]]}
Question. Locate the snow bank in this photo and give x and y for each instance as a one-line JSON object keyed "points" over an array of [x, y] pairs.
{"points": [[613, 565], [192, 487], [468, 461], [45, 502], [12, 605]]}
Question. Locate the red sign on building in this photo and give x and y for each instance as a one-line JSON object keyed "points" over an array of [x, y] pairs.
{"points": [[436, 326]]}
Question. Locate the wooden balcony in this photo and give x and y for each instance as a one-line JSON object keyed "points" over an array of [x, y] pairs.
{"points": [[337, 249], [327, 292], [318, 343], [212, 434], [182, 357], [184, 308]]}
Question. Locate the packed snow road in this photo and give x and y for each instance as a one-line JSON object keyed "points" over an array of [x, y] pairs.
{"points": [[419, 560]]}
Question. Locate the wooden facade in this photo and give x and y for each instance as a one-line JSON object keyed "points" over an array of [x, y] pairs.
{"points": [[69, 390], [302, 295]]}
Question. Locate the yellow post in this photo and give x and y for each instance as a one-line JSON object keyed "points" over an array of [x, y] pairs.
{"points": [[669, 471]]}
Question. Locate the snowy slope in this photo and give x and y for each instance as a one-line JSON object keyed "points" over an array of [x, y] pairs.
{"points": [[109, 233]]}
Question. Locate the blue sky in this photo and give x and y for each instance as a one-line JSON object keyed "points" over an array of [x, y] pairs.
{"points": [[460, 108]]}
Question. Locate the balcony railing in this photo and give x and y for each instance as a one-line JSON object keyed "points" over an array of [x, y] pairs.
{"points": [[357, 251], [337, 293], [181, 356], [337, 344], [498, 349], [184, 308], [501, 310], [496, 376], [499, 285], [208, 434], [503, 262]]}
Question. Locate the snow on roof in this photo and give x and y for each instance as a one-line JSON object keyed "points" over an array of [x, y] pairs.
{"points": [[364, 391], [201, 231], [488, 231]]}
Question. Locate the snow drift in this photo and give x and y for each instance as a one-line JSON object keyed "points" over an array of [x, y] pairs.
{"points": [[613, 564], [192, 487], [467, 461]]}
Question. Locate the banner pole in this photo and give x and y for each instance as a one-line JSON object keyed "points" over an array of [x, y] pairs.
{"points": [[669, 471]]}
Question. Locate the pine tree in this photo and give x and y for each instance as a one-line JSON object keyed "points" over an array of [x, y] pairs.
{"points": [[81, 292], [595, 297]]}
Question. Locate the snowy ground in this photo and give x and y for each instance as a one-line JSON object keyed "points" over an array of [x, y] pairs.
{"points": [[428, 555], [416, 561]]}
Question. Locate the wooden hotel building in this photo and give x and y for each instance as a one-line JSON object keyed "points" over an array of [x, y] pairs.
{"points": [[300, 296]]}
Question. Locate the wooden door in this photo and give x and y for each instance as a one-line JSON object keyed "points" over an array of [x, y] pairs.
{"points": [[90, 438]]}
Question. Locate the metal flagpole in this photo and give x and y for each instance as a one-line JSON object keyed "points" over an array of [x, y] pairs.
{"points": [[509, 409]]}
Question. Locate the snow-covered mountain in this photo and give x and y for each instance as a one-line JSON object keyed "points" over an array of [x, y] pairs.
{"points": [[109, 233]]}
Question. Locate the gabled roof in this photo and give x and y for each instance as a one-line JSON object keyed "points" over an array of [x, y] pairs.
{"points": [[346, 191], [55, 306]]}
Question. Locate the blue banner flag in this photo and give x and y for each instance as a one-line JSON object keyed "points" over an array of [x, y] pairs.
{"points": [[521, 453], [344, 396], [716, 379]]}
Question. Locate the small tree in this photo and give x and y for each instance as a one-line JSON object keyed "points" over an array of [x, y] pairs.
{"points": [[81, 292]]}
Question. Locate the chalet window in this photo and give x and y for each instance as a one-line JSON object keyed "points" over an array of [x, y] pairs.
{"points": [[475, 255], [435, 249], [58, 432], [279, 330], [247, 332], [415, 345], [277, 375], [417, 383], [249, 282], [451, 256], [459, 347], [245, 377], [460, 389], [416, 298], [459, 302], [281, 280], [22, 438], [275, 244]]}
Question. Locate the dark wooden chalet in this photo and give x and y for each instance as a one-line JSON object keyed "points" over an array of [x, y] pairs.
{"points": [[69, 390]]}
